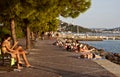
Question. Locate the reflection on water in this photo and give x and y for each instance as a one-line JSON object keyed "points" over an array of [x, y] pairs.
{"points": [[107, 45]]}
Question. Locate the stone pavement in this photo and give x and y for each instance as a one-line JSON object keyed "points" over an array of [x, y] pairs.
{"points": [[110, 66], [51, 61]]}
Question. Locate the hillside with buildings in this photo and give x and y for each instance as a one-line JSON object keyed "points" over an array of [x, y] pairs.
{"points": [[65, 27]]}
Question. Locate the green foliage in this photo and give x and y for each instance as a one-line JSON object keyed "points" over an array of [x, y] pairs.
{"points": [[41, 14], [72, 8], [19, 32], [3, 31]]}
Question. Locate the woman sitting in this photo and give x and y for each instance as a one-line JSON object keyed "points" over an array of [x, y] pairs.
{"points": [[15, 51]]}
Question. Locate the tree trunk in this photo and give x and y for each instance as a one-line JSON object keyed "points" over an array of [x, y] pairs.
{"points": [[12, 25], [32, 36], [28, 42]]}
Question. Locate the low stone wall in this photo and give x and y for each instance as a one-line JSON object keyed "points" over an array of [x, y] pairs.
{"points": [[113, 57]]}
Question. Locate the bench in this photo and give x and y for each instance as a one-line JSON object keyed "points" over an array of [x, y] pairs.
{"points": [[6, 59]]}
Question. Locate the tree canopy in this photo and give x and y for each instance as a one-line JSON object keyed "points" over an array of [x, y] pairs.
{"points": [[41, 14]]}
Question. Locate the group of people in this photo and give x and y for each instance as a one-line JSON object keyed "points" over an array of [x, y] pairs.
{"points": [[50, 35], [15, 50], [74, 46]]}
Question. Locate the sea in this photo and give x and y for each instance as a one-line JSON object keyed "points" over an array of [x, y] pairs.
{"points": [[107, 45]]}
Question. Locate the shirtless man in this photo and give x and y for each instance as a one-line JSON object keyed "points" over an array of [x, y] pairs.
{"points": [[85, 52], [14, 51], [88, 53]]}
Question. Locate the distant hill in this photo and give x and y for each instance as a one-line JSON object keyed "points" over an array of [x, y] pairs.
{"points": [[73, 28], [113, 29]]}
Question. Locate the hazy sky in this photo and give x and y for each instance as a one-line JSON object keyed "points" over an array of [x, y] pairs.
{"points": [[102, 14]]}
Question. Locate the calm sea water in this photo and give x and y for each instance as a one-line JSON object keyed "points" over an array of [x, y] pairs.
{"points": [[107, 45]]}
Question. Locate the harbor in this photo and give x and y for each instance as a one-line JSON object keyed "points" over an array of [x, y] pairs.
{"points": [[91, 36]]}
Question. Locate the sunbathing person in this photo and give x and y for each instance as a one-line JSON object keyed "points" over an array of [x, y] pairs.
{"points": [[14, 50], [88, 53], [85, 52]]}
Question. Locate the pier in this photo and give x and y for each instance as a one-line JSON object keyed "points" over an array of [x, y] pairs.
{"points": [[109, 38]]}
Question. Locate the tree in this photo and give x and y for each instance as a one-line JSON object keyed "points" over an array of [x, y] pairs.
{"points": [[41, 14], [7, 14], [73, 8]]}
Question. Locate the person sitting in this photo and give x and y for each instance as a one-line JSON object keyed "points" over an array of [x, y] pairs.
{"points": [[15, 51], [88, 53], [83, 49]]}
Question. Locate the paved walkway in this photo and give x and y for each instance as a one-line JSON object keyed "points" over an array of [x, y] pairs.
{"points": [[51, 61]]}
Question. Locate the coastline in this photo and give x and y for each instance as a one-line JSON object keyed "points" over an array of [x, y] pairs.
{"points": [[85, 39], [113, 57], [89, 39], [107, 64]]}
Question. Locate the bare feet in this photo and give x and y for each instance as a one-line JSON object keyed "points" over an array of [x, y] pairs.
{"points": [[20, 62], [28, 66], [20, 68]]}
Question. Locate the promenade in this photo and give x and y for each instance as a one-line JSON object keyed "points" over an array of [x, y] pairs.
{"points": [[51, 61]]}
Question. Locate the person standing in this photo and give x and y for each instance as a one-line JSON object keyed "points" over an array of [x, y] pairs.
{"points": [[43, 35]]}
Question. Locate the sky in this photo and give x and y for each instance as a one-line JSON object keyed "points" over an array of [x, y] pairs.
{"points": [[102, 14]]}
